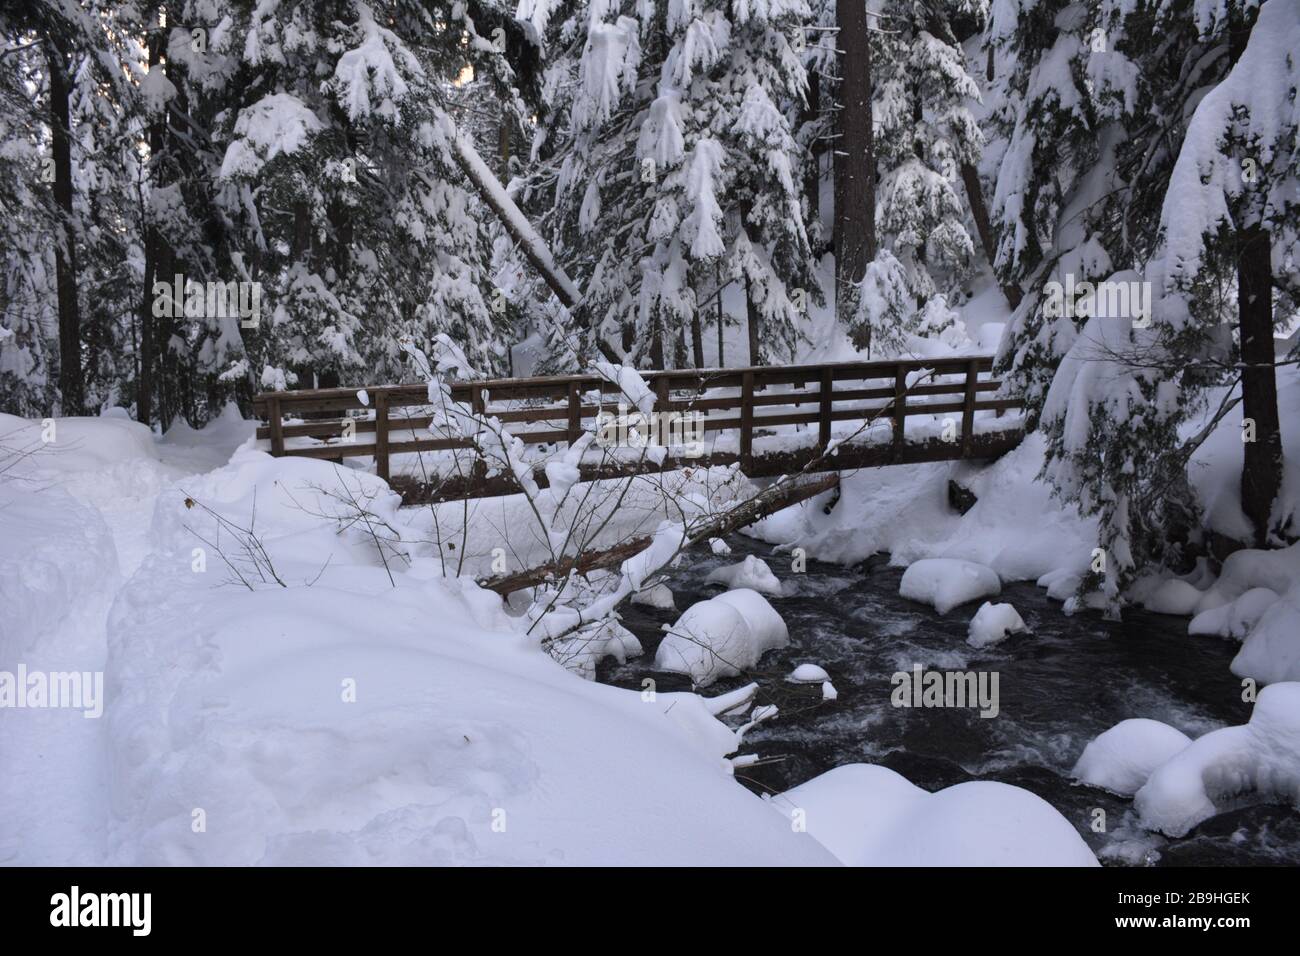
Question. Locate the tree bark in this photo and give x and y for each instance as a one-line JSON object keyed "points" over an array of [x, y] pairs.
{"points": [[754, 320], [979, 212], [1261, 473], [72, 388], [855, 165]]}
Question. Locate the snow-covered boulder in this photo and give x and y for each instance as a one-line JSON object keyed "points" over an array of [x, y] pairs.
{"points": [[871, 816], [808, 674], [1236, 618], [1259, 759], [946, 582], [1271, 652], [722, 636], [1123, 758], [1174, 596], [752, 573], [993, 623], [658, 595]]}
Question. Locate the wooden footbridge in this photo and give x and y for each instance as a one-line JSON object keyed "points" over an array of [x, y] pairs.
{"points": [[771, 420]]}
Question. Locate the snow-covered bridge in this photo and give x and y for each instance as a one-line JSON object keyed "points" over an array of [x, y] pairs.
{"points": [[771, 420]]}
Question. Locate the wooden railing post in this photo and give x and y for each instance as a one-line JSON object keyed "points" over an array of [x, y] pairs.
{"points": [[824, 412], [575, 413], [900, 406], [276, 421], [968, 409], [381, 433], [747, 419]]}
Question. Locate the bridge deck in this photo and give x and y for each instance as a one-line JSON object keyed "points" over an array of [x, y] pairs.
{"points": [[770, 420]]}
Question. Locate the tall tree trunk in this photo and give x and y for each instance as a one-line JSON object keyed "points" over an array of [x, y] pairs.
{"points": [[855, 165], [72, 388], [722, 316], [980, 213], [697, 338], [156, 261], [754, 320], [1261, 473], [812, 182], [657, 345]]}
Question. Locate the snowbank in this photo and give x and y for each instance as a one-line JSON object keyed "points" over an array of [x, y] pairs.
{"points": [[752, 573], [993, 623], [722, 637], [1123, 758], [871, 816], [945, 583], [1259, 760]]}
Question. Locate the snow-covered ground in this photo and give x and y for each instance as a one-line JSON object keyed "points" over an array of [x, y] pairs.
{"points": [[339, 719]]}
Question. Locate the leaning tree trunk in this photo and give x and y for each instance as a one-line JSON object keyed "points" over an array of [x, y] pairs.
{"points": [[979, 212], [1261, 473], [72, 386], [855, 166]]}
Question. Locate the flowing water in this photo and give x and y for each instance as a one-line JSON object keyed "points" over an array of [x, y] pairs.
{"points": [[1059, 686]]}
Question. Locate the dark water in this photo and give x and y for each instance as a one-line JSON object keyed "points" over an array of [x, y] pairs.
{"points": [[1062, 684]]}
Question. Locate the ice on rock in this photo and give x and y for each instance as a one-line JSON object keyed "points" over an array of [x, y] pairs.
{"points": [[1259, 759], [722, 636], [752, 573], [993, 623], [808, 674], [871, 816], [1123, 758], [945, 583]]}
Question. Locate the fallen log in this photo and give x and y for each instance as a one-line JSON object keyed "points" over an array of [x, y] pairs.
{"points": [[780, 494]]}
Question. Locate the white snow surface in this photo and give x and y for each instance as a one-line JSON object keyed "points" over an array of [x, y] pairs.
{"points": [[722, 636], [1123, 758], [342, 719], [945, 583], [869, 815]]}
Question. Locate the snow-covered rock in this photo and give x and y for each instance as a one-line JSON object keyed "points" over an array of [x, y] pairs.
{"points": [[719, 547], [808, 674], [752, 573], [1258, 760], [722, 636], [1123, 758], [993, 623], [869, 815], [1271, 651], [945, 583], [1174, 596], [659, 595], [1237, 617]]}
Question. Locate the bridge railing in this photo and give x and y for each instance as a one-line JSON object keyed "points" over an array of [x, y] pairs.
{"points": [[336, 423]]}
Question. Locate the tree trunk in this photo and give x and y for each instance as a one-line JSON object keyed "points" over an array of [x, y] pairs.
{"points": [[855, 165], [754, 319], [813, 171], [722, 318], [157, 265], [979, 212], [72, 387], [1261, 473], [697, 338]]}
